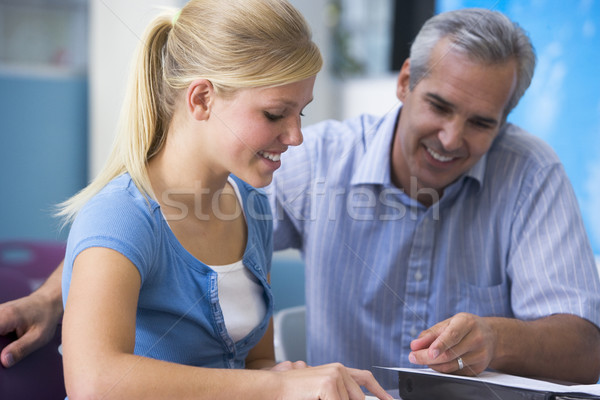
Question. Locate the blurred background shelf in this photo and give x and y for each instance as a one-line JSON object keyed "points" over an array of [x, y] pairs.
{"points": [[43, 109]]}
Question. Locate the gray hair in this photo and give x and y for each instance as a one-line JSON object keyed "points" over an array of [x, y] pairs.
{"points": [[484, 36]]}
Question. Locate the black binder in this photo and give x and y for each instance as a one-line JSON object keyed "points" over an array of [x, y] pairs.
{"points": [[419, 386]]}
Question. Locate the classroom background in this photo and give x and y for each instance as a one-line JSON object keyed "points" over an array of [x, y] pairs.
{"points": [[63, 65]]}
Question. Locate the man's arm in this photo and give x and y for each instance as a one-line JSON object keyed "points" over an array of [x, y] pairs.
{"points": [[561, 346], [552, 279], [33, 318]]}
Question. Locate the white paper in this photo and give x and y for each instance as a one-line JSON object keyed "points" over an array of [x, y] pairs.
{"points": [[512, 381]]}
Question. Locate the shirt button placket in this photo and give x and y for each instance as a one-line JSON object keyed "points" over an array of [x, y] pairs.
{"points": [[417, 287]]}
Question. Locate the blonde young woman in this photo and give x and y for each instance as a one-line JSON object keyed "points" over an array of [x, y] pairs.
{"points": [[165, 282]]}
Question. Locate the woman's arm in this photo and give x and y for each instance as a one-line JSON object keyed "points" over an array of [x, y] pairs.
{"points": [[99, 339], [262, 356]]}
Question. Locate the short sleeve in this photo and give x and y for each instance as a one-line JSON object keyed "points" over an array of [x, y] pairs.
{"points": [[118, 220], [551, 262]]}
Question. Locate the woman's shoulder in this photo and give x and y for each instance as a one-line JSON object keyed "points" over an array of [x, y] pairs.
{"points": [[122, 193], [123, 188], [119, 205], [121, 218]]}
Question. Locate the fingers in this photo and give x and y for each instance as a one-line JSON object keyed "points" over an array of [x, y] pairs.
{"points": [[20, 348], [289, 365], [8, 318], [445, 348], [6, 358], [31, 326], [10, 354], [473, 364], [343, 391], [442, 336], [366, 379], [347, 387], [427, 337], [451, 336], [464, 335], [331, 382]]}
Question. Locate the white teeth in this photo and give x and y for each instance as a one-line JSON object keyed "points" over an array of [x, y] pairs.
{"points": [[270, 156], [438, 156]]}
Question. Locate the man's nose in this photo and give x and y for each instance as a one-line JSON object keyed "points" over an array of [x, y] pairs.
{"points": [[451, 135]]}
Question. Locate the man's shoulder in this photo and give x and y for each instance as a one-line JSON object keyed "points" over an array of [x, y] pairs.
{"points": [[516, 145]]}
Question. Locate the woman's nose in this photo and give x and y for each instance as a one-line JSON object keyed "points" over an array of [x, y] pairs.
{"points": [[293, 135]]}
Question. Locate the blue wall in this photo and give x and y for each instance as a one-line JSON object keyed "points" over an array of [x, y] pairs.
{"points": [[562, 105], [43, 136]]}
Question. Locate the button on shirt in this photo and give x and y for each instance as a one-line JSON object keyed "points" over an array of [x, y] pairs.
{"points": [[505, 239]]}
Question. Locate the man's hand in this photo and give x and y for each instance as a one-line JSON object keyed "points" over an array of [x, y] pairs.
{"points": [[464, 336], [33, 319], [525, 348], [33, 323]]}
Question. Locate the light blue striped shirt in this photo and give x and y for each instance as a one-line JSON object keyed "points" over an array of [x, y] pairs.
{"points": [[506, 239]]}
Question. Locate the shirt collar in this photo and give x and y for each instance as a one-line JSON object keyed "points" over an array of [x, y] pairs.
{"points": [[477, 171], [374, 168]]}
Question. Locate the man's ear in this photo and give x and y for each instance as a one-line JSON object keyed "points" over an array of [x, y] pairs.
{"points": [[199, 98], [403, 86]]}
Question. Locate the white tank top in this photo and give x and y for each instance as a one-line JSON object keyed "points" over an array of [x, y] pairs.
{"points": [[241, 299], [240, 294]]}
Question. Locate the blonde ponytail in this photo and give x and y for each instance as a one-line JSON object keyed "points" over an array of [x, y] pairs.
{"points": [[235, 44], [142, 124]]}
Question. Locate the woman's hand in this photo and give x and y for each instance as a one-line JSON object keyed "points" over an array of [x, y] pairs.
{"points": [[330, 381]]}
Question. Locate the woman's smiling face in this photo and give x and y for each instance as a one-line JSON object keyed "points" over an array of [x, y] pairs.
{"points": [[256, 125]]}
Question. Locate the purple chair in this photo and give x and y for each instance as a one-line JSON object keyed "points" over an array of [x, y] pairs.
{"points": [[24, 266]]}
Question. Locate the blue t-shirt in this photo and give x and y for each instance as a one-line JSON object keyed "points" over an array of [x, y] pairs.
{"points": [[179, 318]]}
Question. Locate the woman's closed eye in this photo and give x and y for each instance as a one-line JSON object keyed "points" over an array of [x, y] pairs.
{"points": [[273, 117], [276, 117]]}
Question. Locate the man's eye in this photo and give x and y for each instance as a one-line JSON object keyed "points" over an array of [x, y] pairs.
{"points": [[481, 125], [272, 117], [438, 107]]}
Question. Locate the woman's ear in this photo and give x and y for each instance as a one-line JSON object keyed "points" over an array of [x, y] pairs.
{"points": [[199, 98]]}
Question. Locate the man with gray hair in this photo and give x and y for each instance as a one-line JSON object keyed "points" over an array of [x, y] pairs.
{"points": [[439, 235]]}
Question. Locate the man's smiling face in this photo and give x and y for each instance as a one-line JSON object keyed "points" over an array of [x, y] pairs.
{"points": [[450, 118]]}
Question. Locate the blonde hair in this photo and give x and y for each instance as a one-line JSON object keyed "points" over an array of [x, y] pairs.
{"points": [[235, 44]]}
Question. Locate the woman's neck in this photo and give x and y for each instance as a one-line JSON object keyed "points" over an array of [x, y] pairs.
{"points": [[185, 183]]}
